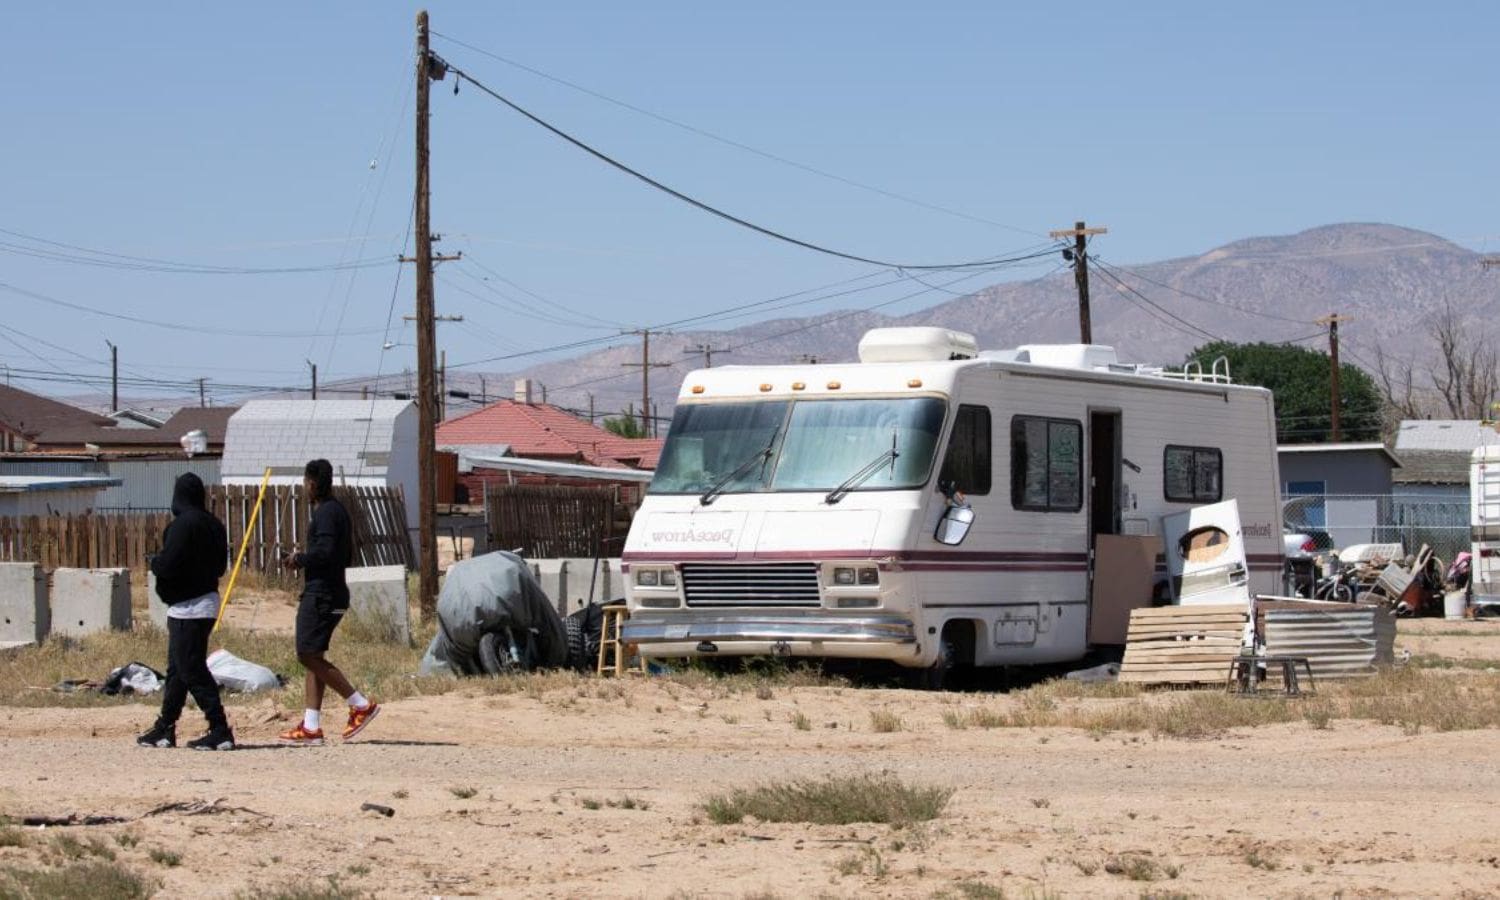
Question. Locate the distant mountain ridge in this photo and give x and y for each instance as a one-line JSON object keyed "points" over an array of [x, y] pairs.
{"points": [[1389, 280]]}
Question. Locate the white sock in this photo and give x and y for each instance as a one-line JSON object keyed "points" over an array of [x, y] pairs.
{"points": [[358, 701], [312, 720]]}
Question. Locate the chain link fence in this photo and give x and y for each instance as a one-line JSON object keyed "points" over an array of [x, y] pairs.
{"points": [[1336, 521]]}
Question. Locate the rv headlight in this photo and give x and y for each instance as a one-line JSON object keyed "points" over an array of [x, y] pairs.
{"points": [[869, 576], [646, 577], [669, 578], [843, 576]]}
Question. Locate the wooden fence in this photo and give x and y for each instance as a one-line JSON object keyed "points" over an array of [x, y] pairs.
{"points": [[547, 522], [124, 540]]}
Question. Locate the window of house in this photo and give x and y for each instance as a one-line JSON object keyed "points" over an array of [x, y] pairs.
{"points": [[1194, 474], [1046, 464], [967, 464]]}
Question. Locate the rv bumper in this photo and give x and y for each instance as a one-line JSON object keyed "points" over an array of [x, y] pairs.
{"points": [[887, 637]]}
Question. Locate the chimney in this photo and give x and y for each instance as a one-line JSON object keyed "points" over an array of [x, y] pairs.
{"points": [[523, 391]]}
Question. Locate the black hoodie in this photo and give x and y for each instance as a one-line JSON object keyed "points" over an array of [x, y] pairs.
{"points": [[195, 546]]}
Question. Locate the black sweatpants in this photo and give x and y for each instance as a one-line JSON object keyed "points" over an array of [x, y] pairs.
{"points": [[187, 670]]}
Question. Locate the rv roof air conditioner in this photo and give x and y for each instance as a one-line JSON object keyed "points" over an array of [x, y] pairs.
{"points": [[925, 344]]}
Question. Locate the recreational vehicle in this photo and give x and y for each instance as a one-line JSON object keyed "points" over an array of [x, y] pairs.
{"points": [[933, 505]]}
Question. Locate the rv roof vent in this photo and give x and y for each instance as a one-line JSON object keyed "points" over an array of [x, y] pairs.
{"points": [[925, 344], [1071, 356]]}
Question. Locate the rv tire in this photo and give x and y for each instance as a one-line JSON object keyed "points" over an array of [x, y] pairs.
{"points": [[935, 677]]}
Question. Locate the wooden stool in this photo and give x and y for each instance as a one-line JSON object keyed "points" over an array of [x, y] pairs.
{"points": [[614, 653]]}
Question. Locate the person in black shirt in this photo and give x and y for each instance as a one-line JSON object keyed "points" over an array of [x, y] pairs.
{"points": [[325, 599], [194, 554]]}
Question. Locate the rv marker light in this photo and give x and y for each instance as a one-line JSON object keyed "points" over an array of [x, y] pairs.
{"points": [[765, 387], [697, 388], [914, 383], [834, 385], [798, 385]]}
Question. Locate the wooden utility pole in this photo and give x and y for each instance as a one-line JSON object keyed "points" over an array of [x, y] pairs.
{"points": [[114, 376], [314, 366], [443, 387], [1332, 320], [708, 351], [202, 393], [646, 365], [426, 328], [1079, 254]]}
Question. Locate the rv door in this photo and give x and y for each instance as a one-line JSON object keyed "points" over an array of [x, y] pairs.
{"points": [[1205, 552]]}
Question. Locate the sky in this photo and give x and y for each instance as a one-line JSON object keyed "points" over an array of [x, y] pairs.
{"points": [[220, 141]]}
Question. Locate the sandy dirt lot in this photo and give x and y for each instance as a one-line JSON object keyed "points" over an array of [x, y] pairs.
{"points": [[583, 788]]}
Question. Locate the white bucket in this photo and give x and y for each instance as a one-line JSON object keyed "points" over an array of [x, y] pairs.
{"points": [[1454, 603]]}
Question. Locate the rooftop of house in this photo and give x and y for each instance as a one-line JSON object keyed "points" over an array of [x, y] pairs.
{"points": [[356, 436], [29, 414], [1445, 434], [21, 484], [1344, 447], [543, 431]]}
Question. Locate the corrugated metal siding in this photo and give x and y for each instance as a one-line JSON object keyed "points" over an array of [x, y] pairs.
{"points": [[148, 483], [52, 467], [1342, 643]]}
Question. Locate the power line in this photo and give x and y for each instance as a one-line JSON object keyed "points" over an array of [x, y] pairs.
{"points": [[111, 260], [729, 142], [699, 204], [1191, 295], [172, 326], [1104, 270], [538, 297]]}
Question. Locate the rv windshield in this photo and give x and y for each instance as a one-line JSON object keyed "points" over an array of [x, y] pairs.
{"points": [[818, 444]]}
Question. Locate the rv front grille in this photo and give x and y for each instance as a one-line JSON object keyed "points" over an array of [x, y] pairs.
{"points": [[766, 584]]}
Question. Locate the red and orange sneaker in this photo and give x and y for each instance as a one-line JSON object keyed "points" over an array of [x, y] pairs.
{"points": [[301, 737], [359, 718]]}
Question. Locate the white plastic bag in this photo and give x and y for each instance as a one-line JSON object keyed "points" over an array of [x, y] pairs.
{"points": [[240, 675]]}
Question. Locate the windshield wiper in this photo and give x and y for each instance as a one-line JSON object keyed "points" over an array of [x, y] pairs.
{"points": [[866, 473], [761, 456]]}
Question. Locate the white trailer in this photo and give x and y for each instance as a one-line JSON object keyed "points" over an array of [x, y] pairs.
{"points": [[1484, 525], [933, 505]]}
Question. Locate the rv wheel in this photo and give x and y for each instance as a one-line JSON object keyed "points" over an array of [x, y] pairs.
{"points": [[935, 676]]}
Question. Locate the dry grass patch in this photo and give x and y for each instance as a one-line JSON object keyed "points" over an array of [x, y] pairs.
{"points": [[95, 880], [884, 721], [831, 801]]}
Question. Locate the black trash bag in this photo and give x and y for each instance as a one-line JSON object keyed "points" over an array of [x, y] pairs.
{"points": [[134, 678]]}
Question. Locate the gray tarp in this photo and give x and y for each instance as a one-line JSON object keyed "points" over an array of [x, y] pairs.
{"points": [[487, 593]]}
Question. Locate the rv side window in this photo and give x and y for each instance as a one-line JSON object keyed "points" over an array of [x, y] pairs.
{"points": [[1194, 474], [968, 461], [1046, 464]]}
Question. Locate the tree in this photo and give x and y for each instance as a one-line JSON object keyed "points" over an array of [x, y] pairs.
{"points": [[626, 425], [1461, 383], [1298, 379]]}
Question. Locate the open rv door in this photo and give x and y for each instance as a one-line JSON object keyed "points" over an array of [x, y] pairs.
{"points": [[1206, 555]]}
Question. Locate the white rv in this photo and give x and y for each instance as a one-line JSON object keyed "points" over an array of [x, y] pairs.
{"points": [[932, 505], [1484, 526]]}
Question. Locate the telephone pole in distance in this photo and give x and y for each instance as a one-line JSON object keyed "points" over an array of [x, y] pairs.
{"points": [[1079, 255], [1332, 320], [646, 365]]}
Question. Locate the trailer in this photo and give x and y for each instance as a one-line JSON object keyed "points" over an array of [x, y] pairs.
{"points": [[933, 505], [1484, 528]]}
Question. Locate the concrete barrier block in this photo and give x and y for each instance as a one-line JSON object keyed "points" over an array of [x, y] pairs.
{"points": [[25, 617], [156, 610], [553, 574], [378, 593], [88, 600]]}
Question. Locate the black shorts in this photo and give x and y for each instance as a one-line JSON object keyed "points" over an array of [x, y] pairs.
{"points": [[317, 616]]}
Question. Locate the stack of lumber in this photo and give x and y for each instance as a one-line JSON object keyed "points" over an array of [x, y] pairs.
{"points": [[1182, 645]]}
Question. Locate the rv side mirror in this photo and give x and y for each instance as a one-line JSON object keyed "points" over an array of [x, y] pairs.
{"points": [[953, 527]]}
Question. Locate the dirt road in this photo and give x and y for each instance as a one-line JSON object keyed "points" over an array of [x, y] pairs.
{"points": [[1285, 810]]}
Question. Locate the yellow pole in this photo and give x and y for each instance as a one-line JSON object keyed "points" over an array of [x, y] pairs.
{"points": [[244, 545]]}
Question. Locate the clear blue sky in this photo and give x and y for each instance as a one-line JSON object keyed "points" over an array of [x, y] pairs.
{"points": [[244, 137]]}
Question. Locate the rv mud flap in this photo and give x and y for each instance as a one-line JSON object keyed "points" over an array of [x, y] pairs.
{"points": [[722, 629]]}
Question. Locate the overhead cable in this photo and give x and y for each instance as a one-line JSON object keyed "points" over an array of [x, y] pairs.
{"points": [[703, 206]]}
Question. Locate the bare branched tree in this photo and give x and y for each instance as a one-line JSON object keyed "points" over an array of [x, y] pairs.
{"points": [[1397, 387], [1465, 375]]}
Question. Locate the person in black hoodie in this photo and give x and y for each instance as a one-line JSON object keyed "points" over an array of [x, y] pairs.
{"points": [[325, 599], [194, 554]]}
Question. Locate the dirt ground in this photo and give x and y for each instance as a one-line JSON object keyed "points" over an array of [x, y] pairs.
{"points": [[589, 788]]}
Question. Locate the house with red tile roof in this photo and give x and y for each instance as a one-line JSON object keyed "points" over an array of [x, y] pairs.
{"points": [[541, 431]]}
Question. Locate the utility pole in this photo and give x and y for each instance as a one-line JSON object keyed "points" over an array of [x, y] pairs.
{"points": [[202, 393], [314, 366], [482, 399], [708, 351], [646, 365], [1332, 320], [443, 387], [114, 376], [591, 409], [426, 328], [1079, 255]]}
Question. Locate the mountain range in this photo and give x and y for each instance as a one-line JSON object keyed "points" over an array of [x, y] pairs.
{"points": [[1389, 283]]}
